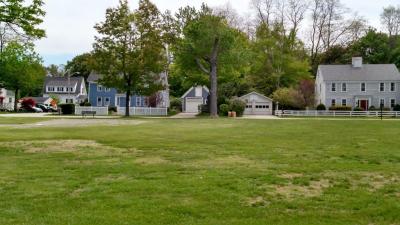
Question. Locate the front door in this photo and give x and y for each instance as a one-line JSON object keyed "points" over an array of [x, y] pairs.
{"points": [[364, 104]]}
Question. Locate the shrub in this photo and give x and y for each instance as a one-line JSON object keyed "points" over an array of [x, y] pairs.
{"points": [[112, 109], [28, 103], [396, 107], [237, 106], [204, 109], [358, 109], [223, 109], [85, 103], [340, 108], [372, 108], [176, 104], [67, 109], [321, 107]]}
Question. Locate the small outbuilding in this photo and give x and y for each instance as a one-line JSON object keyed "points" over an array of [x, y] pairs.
{"points": [[193, 98], [257, 104]]}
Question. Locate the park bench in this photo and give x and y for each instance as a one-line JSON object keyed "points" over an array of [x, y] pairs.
{"points": [[84, 113]]}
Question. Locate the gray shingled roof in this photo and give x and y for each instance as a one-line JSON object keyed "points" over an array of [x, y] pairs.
{"points": [[93, 77], [369, 72], [63, 81]]}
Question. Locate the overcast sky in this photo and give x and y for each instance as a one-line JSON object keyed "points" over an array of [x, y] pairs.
{"points": [[69, 23]]}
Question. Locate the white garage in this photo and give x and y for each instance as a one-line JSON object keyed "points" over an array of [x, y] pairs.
{"points": [[193, 98], [257, 104]]}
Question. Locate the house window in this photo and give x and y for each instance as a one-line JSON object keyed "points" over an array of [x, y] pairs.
{"points": [[344, 102], [10, 100], [363, 87], [382, 87], [344, 87], [60, 89], [333, 87], [50, 89], [99, 88], [107, 89], [99, 101], [382, 102], [393, 87], [138, 101], [249, 106], [392, 103], [106, 101], [333, 102]]}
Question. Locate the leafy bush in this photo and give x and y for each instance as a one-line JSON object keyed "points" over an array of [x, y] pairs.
{"points": [[67, 109], [112, 109], [289, 99], [223, 109], [176, 104], [237, 106], [340, 108], [396, 107], [28, 103], [358, 109], [204, 109], [85, 103], [321, 107], [372, 108]]}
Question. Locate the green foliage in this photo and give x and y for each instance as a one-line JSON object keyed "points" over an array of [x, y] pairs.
{"points": [[67, 109], [176, 104], [373, 47], [359, 109], [55, 98], [238, 106], [276, 61], [223, 109], [21, 69], [82, 65], [22, 15], [396, 108], [289, 98], [129, 51], [321, 107]]}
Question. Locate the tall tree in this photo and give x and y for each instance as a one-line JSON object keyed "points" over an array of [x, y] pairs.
{"points": [[129, 50], [21, 68], [390, 19], [208, 43], [81, 65]]}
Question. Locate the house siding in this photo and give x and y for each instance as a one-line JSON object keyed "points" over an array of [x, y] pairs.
{"points": [[192, 94]]}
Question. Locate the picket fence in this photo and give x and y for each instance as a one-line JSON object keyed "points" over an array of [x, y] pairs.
{"points": [[143, 111], [315, 113]]}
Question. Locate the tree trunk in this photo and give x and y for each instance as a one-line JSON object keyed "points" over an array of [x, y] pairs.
{"points": [[16, 99], [214, 80], [127, 103]]}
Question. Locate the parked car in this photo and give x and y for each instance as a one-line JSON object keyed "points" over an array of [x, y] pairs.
{"points": [[31, 109], [46, 108]]}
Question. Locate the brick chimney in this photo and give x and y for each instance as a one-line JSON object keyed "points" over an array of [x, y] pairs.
{"points": [[357, 62]]}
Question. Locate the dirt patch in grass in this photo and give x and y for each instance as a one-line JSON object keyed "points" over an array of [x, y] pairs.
{"points": [[151, 160], [291, 175], [111, 178], [291, 191], [258, 201]]}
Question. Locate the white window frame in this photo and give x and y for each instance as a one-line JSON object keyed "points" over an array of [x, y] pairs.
{"points": [[50, 89], [138, 101], [365, 87], [333, 87], [106, 89], [380, 87], [107, 103], [101, 101], [380, 102], [99, 88], [392, 103], [344, 87], [344, 102], [392, 87]]}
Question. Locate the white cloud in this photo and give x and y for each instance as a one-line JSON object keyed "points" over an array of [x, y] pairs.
{"points": [[69, 23]]}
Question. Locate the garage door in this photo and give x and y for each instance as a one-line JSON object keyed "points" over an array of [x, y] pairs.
{"points": [[259, 109], [192, 104]]}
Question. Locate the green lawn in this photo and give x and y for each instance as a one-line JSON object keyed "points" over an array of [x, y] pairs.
{"points": [[203, 171]]}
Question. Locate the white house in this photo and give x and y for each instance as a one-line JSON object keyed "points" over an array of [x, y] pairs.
{"points": [[7, 99], [193, 98], [68, 90], [257, 104], [358, 85]]}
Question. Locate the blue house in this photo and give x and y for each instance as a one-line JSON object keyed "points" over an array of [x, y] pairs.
{"points": [[102, 96]]}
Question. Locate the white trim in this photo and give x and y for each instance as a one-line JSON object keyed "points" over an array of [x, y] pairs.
{"points": [[190, 89], [256, 93]]}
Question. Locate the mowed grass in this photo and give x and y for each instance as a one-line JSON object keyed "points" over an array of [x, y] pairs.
{"points": [[203, 171]]}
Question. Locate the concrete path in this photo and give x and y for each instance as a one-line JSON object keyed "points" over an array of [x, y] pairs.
{"points": [[261, 117], [185, 116]]}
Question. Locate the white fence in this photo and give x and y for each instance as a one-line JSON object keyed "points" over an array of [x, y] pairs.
{"points": [[100, 111], [143, 111], [315, 113]]}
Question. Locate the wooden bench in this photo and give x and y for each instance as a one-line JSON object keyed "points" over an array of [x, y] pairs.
{"points": [[84, 113]]}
